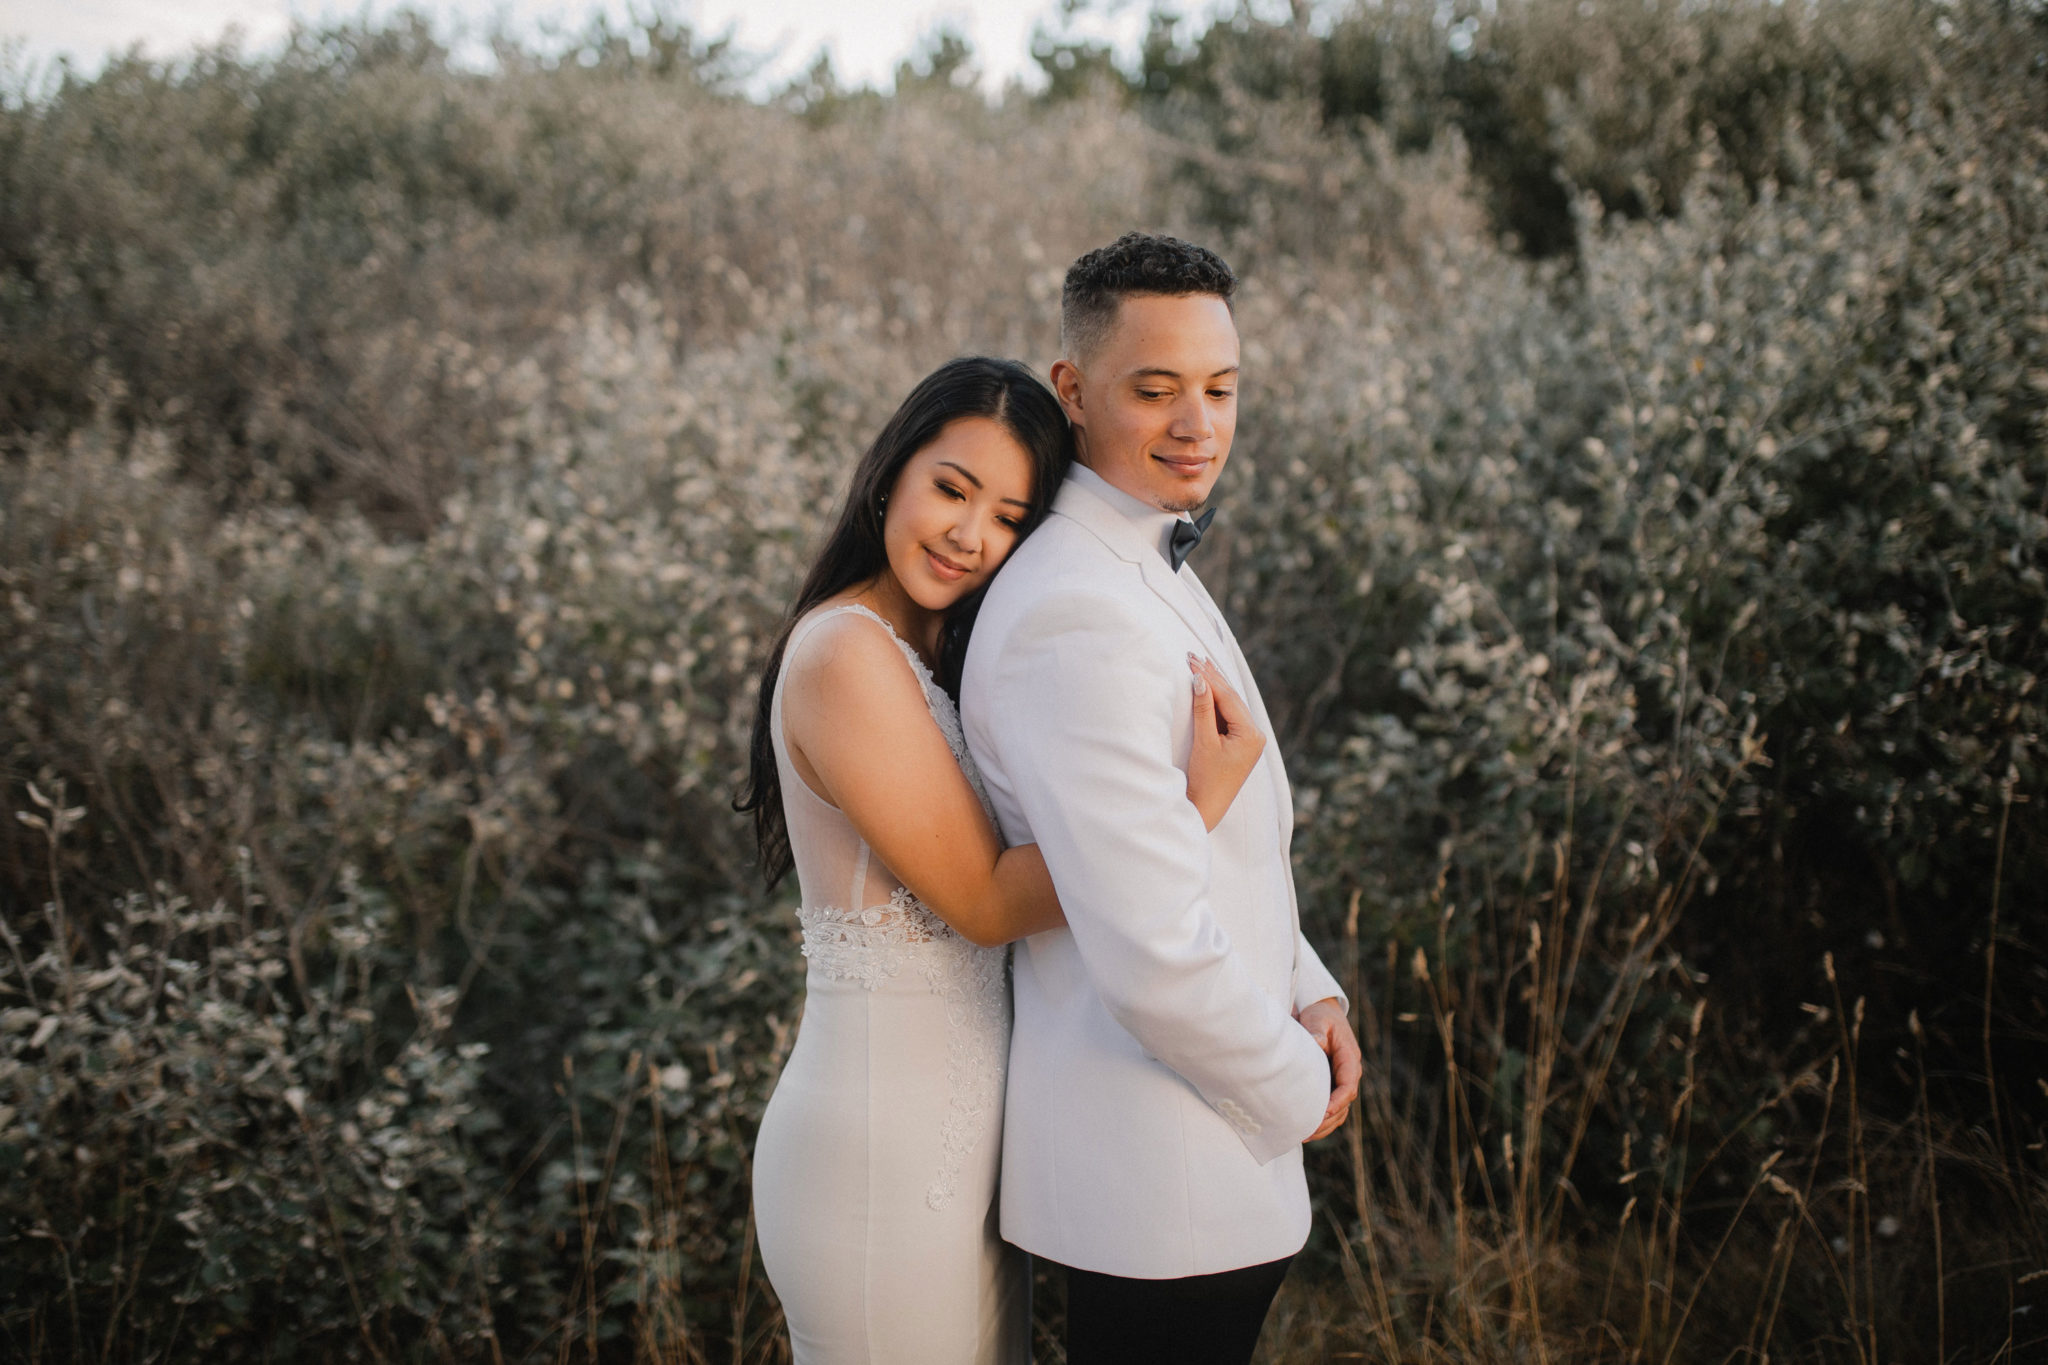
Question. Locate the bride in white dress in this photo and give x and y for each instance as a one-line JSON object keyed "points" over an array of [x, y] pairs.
{"points": [[875, 1168]]}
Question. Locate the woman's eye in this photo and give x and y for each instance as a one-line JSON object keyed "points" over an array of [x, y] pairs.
{"points": [[1011, 522], [951, 491]]}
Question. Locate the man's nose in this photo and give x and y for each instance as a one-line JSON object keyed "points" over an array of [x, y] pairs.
{"points": [[1191, 420]]}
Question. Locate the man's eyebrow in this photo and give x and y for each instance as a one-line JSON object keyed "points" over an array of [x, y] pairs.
{"points": [[1161, 372], [968, 475]]}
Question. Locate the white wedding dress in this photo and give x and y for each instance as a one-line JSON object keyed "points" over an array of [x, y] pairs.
{"points": [[875, 1169]]}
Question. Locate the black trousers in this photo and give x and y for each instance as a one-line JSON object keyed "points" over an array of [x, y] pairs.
{"points": [[1200, 1320]]}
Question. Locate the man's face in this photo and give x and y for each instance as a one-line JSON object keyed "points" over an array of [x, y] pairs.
{"points": [[1154, 404]]}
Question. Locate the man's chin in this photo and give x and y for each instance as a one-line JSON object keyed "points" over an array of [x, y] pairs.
{"points": [[1183, 497], [1182, 494]]}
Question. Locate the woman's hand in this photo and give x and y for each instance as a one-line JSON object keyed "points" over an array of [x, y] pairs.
{"points": [[1226, 746]]}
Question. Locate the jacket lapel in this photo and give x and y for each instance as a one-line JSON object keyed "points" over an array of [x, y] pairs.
{"points": [[1174, 591], [1243, 670], [1283, 793], [1112, 528], [1191, 602]]}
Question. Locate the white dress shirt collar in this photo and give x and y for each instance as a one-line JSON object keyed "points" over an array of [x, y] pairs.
{"points": [[1154, 524]]}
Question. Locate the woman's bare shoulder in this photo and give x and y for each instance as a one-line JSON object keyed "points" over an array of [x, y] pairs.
{"points": [[849, 656]]}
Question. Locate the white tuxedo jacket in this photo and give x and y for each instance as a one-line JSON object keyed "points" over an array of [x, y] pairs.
{"points": [[1159, 1086]]}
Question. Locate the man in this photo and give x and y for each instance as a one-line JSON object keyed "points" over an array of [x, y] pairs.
{"points": [[1176, 1044]]}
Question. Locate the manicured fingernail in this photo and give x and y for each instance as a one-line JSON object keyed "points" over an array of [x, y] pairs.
{"points": [[1201, 685]]}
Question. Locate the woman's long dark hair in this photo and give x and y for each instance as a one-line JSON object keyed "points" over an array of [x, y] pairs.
{"points": [[973, 386]]}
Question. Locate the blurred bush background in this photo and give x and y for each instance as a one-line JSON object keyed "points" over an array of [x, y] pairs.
{"points": [[1637, 520]]}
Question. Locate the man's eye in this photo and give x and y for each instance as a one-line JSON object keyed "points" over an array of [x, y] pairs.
{"points": [[1220, 394], [1151, 393]]}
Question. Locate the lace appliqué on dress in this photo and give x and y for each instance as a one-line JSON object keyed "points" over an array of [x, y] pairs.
{"points": [[977, 1053], [874, 944], [868, 946], [871, 946]]}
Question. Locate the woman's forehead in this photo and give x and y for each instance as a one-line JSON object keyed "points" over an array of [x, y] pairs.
{"points": [[982, 449]]}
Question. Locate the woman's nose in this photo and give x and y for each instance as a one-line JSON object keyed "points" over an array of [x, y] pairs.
{"points": [[967, 532]]}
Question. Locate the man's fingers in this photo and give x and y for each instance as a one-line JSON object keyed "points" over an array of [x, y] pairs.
{"points": [[1346, 1070], [1335, 1112], [1332, 1032], [1347, 1064]]}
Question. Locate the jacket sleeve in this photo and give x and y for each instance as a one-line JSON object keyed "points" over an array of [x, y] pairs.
{"points": [[1091, 767], [1312, 980]]}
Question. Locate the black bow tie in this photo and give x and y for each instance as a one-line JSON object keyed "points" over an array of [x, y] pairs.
{"points": [[1186, 536]]}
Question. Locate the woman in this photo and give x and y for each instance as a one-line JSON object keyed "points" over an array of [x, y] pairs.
{"points": [[875, 1169]]}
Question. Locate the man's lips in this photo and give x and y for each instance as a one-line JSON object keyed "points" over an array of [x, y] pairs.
{"points": [[1184, 464], [944, 567]]}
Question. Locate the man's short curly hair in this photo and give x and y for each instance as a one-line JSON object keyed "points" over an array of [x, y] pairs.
{"points": [[1135, 263]]}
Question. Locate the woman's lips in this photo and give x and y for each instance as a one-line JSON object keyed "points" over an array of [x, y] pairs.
{"points": [[945, 568]]}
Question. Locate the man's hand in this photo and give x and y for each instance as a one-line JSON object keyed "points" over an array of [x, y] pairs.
{"points": [[1326, 1023]]}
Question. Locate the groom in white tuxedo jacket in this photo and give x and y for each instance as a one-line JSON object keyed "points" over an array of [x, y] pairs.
{"points": [[1180, 1040]]}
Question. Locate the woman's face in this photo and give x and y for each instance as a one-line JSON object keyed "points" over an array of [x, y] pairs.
{"points": [[956, 510]]}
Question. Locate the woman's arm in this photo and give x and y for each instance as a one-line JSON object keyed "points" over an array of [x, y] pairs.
{"points": [[859, 729], [1225, 750], [860, 732]]}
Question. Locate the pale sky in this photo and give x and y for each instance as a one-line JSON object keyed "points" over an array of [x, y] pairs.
{"points": [[865, 37]]}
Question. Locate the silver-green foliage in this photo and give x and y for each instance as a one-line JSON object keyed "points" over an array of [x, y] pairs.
{"points": [[407, 467]]}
